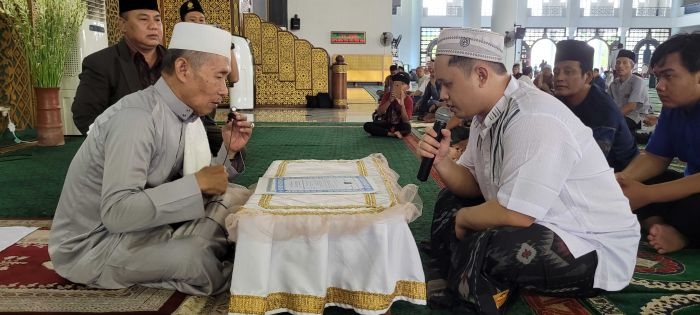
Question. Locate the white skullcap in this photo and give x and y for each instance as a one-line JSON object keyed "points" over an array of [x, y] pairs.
{"points": [[201, 37], [472, 43]]}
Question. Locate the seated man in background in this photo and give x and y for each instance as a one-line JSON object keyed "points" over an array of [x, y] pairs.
{"points": [[131, 65], [628, 90], [527, 75], [532, 203], [431, 96], [598, 80], [421, 83], [572, 85], [143, 201], [392, 117], [545, 80], [666, 202]]}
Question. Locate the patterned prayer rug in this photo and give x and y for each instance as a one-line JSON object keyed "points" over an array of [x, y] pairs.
{"points": [[28, 284]]}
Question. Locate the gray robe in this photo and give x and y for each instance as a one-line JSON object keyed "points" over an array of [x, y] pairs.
{"points": [[122, 191]]}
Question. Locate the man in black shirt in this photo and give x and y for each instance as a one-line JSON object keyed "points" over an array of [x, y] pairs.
{"points": [[572, 85]]}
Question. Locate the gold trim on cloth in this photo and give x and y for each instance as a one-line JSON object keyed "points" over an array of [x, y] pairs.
{"points": [[370, 205], [359, 300]]}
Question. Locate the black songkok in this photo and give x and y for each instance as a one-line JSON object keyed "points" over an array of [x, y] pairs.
{"points": [[627, 53], [128, 5], [190, 6], [575, 50], [401, 76]]}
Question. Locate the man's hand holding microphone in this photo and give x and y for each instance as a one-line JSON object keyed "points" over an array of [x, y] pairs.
{"points": [[434, 147]]}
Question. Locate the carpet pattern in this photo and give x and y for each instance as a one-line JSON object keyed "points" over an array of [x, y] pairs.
{"points": [[29, 284]]}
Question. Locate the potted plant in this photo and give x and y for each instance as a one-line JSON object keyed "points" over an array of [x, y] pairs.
{"points": [[47, 30]]}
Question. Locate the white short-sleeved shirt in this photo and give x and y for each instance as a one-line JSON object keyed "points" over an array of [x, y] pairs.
{"points": [[423, 82], [534, 156], [631, 90]]}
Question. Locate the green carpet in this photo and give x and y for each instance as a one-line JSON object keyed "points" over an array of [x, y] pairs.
{"points": [[31, 179]]}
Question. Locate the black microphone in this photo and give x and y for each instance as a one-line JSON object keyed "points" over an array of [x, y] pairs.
{"points": [[442, 115]]}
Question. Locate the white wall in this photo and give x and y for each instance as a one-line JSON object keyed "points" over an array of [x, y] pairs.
{"points": [[320, 17], [406, 23], [260, 8]]}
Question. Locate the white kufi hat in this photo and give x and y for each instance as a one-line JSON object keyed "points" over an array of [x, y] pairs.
{"points": [[201, 37], [472, 43]]}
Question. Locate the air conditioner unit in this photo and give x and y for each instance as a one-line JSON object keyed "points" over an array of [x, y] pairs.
{"points": [[91, 37], [242, 94]]}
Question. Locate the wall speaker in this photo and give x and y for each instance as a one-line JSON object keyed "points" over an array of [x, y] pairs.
{"points": [[295, 23]]}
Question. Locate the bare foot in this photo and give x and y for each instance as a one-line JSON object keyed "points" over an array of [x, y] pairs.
{"points": [[666, 239], [651, 221], [398, 134]]}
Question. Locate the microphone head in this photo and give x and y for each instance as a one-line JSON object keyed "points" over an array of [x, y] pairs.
{"points": [[443, 114]]}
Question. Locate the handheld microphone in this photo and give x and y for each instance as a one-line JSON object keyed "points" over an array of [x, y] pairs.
{"points": [[442, 115]]}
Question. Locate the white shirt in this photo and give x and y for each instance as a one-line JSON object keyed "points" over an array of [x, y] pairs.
{"points": [[534, 156], [423, 82]]}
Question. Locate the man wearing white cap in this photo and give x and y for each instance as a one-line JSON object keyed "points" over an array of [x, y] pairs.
{"points": [[144, 202], [531, 203]]}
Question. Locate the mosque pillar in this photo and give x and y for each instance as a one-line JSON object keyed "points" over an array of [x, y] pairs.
{"points": [[471, 13], [573, 15], [339, 82], [502, 21]]}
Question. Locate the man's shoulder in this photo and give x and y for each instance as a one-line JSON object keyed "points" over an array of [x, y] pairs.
{"points": [[104, 54]]}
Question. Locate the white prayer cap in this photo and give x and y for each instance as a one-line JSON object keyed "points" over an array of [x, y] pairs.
{"points": [[472, 43], [201, 37]]}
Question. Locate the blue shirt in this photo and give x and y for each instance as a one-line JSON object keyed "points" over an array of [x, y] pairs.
{"points": [[599, 112], [677, 134]]}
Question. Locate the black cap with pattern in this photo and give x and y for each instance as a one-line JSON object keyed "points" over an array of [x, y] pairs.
{"points": [[401, 76], [190, 6]]}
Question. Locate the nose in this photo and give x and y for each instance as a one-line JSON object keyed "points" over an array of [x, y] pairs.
{"points": [[443, 94], [223, 89], [660, 86], [154, 24]]}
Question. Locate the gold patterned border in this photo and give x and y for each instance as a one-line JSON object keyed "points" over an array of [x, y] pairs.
{"points": [[360, 300], [319, 70], [302, 63], [15, 83], [370, 200], [253, 32], [269, 52], [286, 59]]}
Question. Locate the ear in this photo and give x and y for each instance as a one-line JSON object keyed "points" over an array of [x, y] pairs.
{"points": [[183, 70], [122, 23], [588, 77], [482, 73]]}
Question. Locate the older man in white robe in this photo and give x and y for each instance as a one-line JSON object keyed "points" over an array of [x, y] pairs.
{"points": [[144, 201]]}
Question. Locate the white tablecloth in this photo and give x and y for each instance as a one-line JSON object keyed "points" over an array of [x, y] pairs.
{"points": [[300, 253]]}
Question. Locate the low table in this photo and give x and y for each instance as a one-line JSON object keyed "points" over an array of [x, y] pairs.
{"points": [[302, 252]]}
